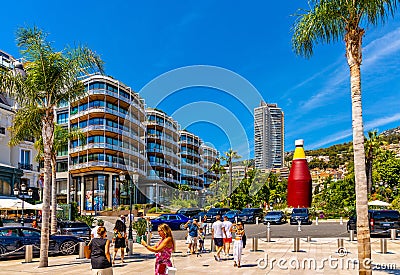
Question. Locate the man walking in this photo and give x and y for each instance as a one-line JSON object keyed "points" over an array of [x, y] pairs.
{"points": [[227, 235], [192, 235], [217, 236]]}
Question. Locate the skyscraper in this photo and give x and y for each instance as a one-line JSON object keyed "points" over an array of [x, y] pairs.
{"points": [[268, 136]]}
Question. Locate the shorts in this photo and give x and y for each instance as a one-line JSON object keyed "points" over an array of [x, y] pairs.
{"points": [[218, 242], [228, 240], [191, 239], [120, 243]]}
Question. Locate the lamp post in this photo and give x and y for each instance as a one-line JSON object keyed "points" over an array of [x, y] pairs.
{"points": [[125, 179], [72, 193], [156, 185], [22, 193]]}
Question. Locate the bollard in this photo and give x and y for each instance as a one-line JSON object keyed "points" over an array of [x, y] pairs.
{"points": [[296, 245], [130, 246], [308, 238], [393, 234], [82, 250], [316, 220], [299, 226], [256, 220], [341, 221], [268, 232], [212, 246], [254, 244], [340, 243], [351, 235], [383, 246], [28, 253]]}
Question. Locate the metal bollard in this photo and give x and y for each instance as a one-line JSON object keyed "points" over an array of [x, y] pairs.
{"points": [[316, 220], [308, 238], [296, 245], [254, 244], [340, 243], [256, 220], [28, 253], [299, 226], [383, 246], [351, 235], [268, 232], [212, 246], [82, 250], [130, 246], [393, 234], [341, 221]]}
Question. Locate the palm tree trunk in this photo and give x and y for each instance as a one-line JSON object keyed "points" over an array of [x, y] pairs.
{"points": [[53, 196], [353, 52], [230, 181], [47, 132]]}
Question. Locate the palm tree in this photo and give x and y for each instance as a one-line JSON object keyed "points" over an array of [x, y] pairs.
{"points": [[331, 20], [229, 156], [50, 77]]}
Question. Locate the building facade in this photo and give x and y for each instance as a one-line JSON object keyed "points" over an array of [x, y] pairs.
{"points": [[111, 116], [268, 136], [209, 157], [17, 163]]}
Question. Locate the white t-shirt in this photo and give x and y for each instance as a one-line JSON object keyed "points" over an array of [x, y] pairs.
{"points": [[217, 227], [94, 232], [227, 225]]}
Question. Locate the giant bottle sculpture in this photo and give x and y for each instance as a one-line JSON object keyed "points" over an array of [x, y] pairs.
{"points": [[299, 182]]}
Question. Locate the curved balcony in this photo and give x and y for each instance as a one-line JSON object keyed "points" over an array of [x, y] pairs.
{"points": [[162, 138], [113, 130], [103, 145], [164, 179], [166, 126], [165, 153], [187, 153], [164, 165], [110, 164], [197, 144], [118, 96]]}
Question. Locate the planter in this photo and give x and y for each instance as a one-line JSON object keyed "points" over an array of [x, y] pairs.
{"points": [[140, 238]]}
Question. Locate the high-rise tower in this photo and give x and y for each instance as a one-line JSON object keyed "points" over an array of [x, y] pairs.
{"points": [[268, 136]]}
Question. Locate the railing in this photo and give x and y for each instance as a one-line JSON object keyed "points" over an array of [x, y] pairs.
{"points": [[25, 166]]}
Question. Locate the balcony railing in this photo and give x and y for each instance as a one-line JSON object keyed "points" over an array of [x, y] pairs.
{"points": [[25, 166]]}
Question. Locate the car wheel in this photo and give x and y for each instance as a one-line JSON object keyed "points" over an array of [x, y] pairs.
{"points": [[68, 247], [2, 250], [182, 226]]}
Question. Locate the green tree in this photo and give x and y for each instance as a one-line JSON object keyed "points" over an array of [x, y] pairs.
{"points": [[230, 155], [372, 149], [49, 78], [331, 20]]}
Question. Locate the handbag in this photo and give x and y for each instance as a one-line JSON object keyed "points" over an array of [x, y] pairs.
{"points": [[171, 270], [87, 250]]}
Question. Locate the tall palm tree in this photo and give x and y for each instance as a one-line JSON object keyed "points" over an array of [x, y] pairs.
{"points": [[50, 77], [229, 156], [331, 20]]}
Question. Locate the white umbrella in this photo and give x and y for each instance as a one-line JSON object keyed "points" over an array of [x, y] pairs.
{"points": [[378, 203], [39, 206], [15, 204]]}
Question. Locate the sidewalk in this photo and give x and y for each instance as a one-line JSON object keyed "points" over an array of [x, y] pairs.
{"points": [[324, 251]]}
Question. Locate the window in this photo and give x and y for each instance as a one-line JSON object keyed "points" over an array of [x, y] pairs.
{"points": [[62, 166], [2, 130], [63, 151], [25, 157]]}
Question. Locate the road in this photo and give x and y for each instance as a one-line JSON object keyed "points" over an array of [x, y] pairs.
{"points": [[322, 230]]}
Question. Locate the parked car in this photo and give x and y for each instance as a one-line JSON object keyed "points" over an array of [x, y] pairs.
{"points": [[213, 212], [77, 229], [14, 237], [199, 216], [380, 221], [189, 212], [277, 217], [300, 215], [249, 215], [233, 215], [175, 221]]}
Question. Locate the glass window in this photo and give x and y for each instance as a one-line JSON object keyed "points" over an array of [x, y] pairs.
{"points": [[62, 118]]}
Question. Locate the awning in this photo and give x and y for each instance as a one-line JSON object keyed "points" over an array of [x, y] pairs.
{"points": [[15, 204], [378, 203]]}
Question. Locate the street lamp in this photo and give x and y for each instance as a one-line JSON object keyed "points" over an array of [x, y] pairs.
{"points": [[72, 193], [125, 179], [22, 193], [156, 185]]}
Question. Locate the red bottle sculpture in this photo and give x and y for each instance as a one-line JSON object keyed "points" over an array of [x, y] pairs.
{"points": [[299, 182]]}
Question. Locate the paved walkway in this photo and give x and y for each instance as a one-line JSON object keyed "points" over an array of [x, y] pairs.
{"points": [[278, 253]]}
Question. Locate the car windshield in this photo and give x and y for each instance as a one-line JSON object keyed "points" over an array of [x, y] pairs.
{"points": [[386, 215], [213, 211], [300, 211], [273, 213]]}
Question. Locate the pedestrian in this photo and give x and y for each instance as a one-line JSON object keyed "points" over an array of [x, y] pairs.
{"points": [[94, 234], [201, 237], [217, 236], [34, 224], [238, 244], [119, 239], [100, 257], [163, 249], [123, 219], [227, 240], [193, 228]]}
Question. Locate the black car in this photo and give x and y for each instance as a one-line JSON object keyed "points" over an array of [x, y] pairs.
{"points": [[199, 216], [249, 215], [77, 229], [300, 215], [12, 238], [189, 212], [213, 212], [277, 217], [380, 221]]}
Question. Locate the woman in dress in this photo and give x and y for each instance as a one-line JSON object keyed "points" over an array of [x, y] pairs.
{"points": [[163, 249], [100, 257], [119, 239], [238, 244]]}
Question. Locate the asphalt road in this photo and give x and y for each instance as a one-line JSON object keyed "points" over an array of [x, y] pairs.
{"points": [[322, 230]]}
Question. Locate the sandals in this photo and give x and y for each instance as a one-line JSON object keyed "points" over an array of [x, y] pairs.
{"points": [[234, 264]]}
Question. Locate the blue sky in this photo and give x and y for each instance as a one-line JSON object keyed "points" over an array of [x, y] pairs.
{"points": [[209, 63]]}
